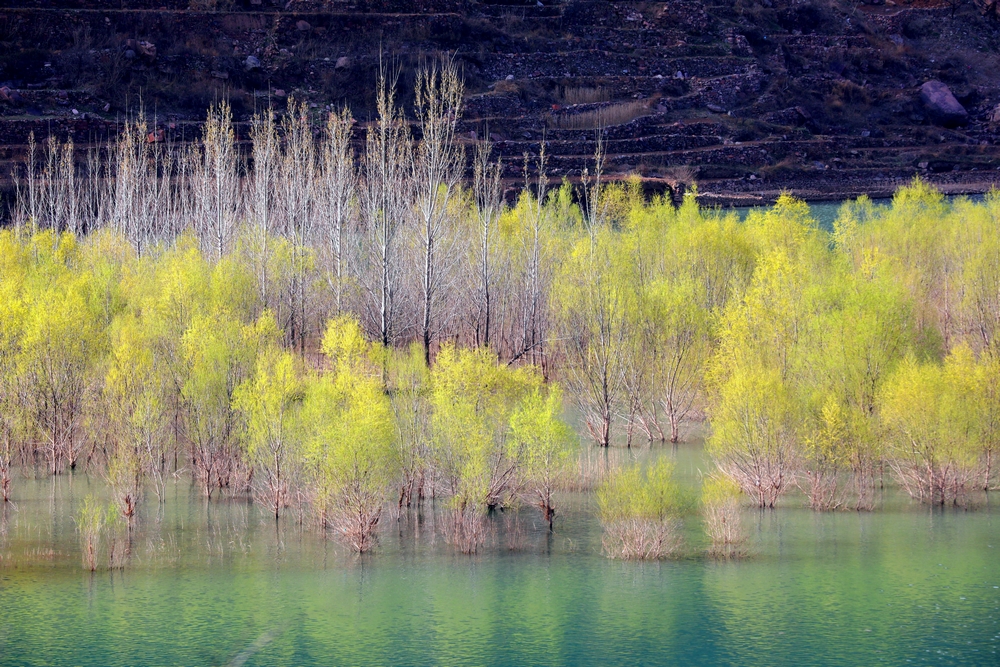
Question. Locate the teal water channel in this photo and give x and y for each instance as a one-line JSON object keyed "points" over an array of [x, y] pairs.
{"points": [[221, 584]]}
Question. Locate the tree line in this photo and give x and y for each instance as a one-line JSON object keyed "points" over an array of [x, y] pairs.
{"points": [[354, 330]]}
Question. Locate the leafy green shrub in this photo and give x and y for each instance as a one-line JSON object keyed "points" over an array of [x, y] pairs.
{"points": [[640, 511]]}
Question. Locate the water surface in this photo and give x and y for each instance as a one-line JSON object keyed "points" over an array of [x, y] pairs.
{"points": [[219, 584]]}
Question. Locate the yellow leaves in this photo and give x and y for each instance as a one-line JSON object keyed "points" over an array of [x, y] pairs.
{"points": [[344, 342], [788, 226], [12, 312], [474, 399], [917, 195], [349, 430], [637, 492], [718, 489], [935, 412], [540, 439], [752, 415], [765, 326], [267, 401], [826, 444]]}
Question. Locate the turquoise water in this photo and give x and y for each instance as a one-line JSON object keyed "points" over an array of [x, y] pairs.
{"points": [[826, 212], [221, 584]]}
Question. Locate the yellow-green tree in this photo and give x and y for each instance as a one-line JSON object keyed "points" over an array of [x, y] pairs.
{"points": [[752, 398], [640, 508], [409, 390], [219, 353], [61, 343], [720, 500], [591, 299], [12, 425], [753, 438], [677, 344], [349, 438], [473, 399], [930, 414], [544, 445], [135, 415], [268, 402], [861, 330]]}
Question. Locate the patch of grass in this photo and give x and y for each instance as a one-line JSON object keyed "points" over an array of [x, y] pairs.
{"points": [[614, 114], [585, 95], [846, 94]]}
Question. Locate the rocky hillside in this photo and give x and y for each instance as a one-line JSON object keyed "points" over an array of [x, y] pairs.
{"points": [[746, 97]]}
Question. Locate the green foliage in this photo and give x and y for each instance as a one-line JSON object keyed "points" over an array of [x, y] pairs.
{"points": [[640, 508], [817, 357], [349, 447], [268, 402], [474, 399], [543, 444], [409, 390], [720, 499], [90, 521], [718, 489], [933, 415], [642, 492]]}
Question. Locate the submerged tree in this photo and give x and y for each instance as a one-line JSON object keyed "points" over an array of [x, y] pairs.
{"points": [[474, 399], [930, 412], [640, 512], [720, 499], [268, 402], [349, 438], [590, 299], [543, 443]]}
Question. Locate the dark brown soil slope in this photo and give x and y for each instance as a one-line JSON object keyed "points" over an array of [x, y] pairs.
{"points": [[747, 97]]}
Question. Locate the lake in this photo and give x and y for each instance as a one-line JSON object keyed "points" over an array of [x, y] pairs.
{"points": [[220, 584]]}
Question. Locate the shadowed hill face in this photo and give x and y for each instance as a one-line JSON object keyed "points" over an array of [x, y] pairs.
{"points": [[747, 97]]}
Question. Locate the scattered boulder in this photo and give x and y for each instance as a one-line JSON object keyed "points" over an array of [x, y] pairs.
{"points": [[303, 26], [941, 105], [995, 114], [147, 50], [343, 62], [251, 63], [10, 96]]}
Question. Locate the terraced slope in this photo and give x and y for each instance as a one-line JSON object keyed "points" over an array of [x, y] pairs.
{"points": [[748, 98]]}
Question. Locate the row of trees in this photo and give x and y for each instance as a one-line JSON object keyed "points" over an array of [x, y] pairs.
{"points": [[863, 350], [140, 365], [824, 360], [333, 218]]}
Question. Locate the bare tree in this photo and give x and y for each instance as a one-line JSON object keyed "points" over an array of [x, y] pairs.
{"points": [[262, 197], [487, 186], [437, 169], [132, 191], [531, 340], [591, 183], [298, 185], [385, 206], [339, 177], [217, 182]]}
